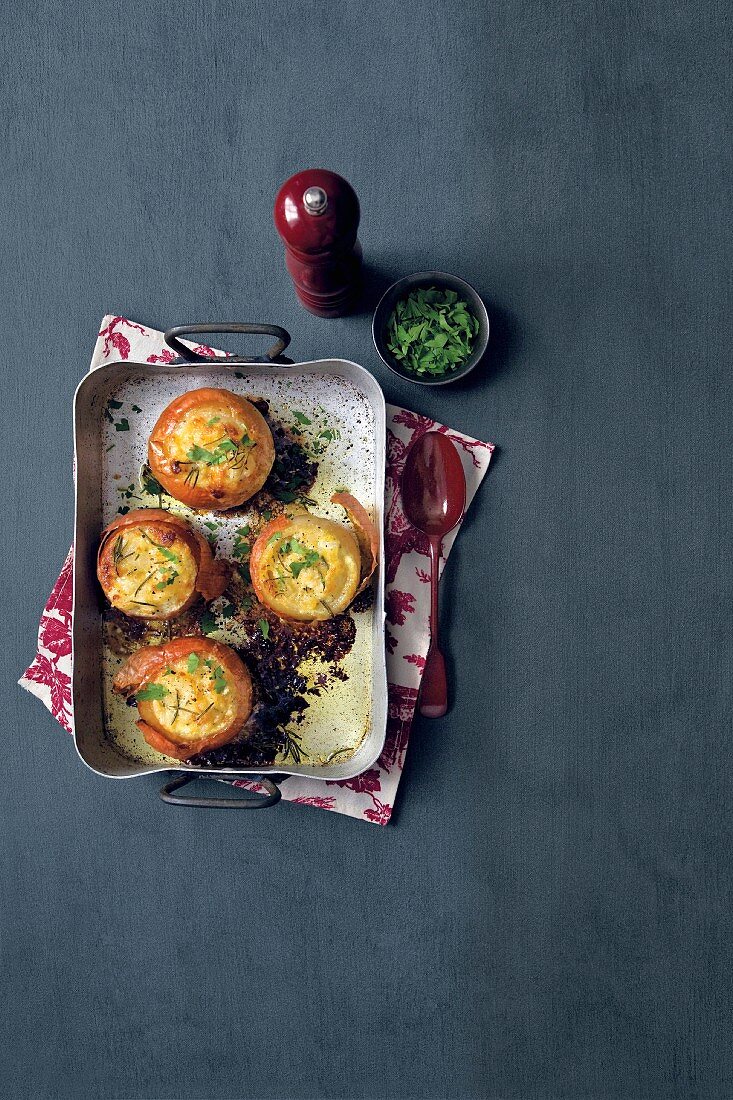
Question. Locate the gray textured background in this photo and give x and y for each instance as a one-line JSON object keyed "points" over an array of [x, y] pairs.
{"points": [[551, 915]]}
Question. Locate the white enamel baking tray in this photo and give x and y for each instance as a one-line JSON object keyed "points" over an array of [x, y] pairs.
{"points": [[108, 461]]}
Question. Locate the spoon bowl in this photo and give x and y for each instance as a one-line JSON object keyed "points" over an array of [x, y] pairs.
{"points": [[433, 485]]}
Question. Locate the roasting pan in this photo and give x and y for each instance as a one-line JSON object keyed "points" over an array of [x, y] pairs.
{"points": [[350, 716]]}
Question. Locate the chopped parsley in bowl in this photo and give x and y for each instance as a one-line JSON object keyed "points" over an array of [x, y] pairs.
{"points": [[431, 328], [431, 331]]}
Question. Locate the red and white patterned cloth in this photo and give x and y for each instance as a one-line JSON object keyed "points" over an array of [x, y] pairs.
{"points": [[371, 795]]}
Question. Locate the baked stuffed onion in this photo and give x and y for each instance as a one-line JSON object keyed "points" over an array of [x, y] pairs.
{"points": [[307, 569], [152, 564], [192, 695], [211, 448]]}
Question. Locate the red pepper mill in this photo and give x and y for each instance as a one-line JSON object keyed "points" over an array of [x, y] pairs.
{"points": [[317, 216]]}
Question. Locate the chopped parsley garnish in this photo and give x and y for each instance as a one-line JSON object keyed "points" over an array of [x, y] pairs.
{"points": [[234, 452], [119, 425], [322, 440], [151, 692], [167, 579], [220, 682], [306, 557], [150, 484], [241, 546], [431, 331], [193, 662], [200, 454], [227, 449], [128, 492], [208, 622], [302, 418], [264, 628], [312, 557], [292, 546], [214, 420], [168, 554]]}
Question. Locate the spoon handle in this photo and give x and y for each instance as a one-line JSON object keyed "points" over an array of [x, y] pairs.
{"points": [[434, 689]]}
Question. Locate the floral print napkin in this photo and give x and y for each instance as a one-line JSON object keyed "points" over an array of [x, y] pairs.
{"points": [[371, 795]]}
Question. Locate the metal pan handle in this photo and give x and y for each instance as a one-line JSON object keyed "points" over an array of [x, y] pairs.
{"points": [[274, 355], [252, 802]]}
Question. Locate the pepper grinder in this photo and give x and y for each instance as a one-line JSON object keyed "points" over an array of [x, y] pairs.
{"points": [[317, 216]]}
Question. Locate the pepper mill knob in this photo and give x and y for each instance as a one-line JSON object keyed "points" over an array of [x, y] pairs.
{"points": [[317, 216], [315, 199]]}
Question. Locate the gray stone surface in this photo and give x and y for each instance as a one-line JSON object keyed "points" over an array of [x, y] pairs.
{"points": [[550, 916]]}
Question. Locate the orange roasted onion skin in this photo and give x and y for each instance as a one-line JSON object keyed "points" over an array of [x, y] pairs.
{"points": [[366, 533], [149, 661], [211, 575], [167, 469]]}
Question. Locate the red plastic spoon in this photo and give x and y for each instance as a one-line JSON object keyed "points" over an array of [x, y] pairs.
{"points": [[434, 500]]}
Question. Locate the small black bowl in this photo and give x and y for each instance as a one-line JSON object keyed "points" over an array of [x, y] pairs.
{"points": [[401, 289]]}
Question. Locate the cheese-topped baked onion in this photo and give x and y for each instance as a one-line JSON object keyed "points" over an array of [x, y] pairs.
{"points": [[306, 568], [192, 694], [152, 564], [211, 449]]}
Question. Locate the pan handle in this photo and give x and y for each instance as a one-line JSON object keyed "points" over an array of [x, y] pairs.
{"points": [[274, 355], [253, 802]]}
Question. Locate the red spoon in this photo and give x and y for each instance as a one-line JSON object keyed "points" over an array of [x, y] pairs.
{"points": [[434, 500]]}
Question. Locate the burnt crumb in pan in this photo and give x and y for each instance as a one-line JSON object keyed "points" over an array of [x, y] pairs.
{"points": [[274, 651], [123, 636], [363, 601], [280, 690], [293, 472]]}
